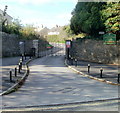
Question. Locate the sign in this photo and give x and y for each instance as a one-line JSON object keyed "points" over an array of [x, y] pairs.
{"points": [[49, 46], [35, 45], [68, 43], [21, 46], [109, 38], [101, 32]]}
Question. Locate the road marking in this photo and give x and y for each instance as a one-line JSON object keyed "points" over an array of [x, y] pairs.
{"points": [[95, 103]]}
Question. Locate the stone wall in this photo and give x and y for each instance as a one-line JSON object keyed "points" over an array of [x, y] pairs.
{"points": [[10, 45], [95, 51]]}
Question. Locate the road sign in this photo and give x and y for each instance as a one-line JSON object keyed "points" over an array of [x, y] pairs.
{"points": [[49, 46], [35, 45], [109, 38], [101, 32], [21, 46], [68, 43]]}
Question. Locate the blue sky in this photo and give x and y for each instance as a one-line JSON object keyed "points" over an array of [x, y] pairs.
{"points": [[37, 12]]}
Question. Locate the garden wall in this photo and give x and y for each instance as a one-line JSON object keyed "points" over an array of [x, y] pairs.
{"points": [[96, 51], [10, 44], [11, 47]]}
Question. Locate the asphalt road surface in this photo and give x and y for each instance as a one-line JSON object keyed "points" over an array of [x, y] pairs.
{"points": [[51, 82]]}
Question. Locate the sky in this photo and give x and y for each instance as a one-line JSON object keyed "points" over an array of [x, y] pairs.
{"points": [[48, 13]]}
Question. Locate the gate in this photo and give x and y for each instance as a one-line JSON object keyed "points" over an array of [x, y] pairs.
{"points": [[53, 49], [58, 49]]}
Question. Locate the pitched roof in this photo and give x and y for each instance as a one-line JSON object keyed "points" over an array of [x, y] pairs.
{"points": [[56, 29], [44, 31], [1, 12]]}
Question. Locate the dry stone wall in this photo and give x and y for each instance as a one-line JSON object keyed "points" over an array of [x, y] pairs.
{"points": [[10, 44], [96, 51]]}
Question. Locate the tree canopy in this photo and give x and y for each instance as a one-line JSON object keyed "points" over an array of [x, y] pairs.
{"points": [[93, 17], [112, 16], [87, 18]]}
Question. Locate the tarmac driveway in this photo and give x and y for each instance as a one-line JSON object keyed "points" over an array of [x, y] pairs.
{"points": [[51, 82]]}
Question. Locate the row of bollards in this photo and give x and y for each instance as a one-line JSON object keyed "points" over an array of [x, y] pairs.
{"points": [[101, 71], [15, 70], [72, 60], [24, 56]]}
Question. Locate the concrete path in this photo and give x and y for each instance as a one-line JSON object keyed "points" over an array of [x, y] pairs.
{"points": [[50, 82], [12, 62]]}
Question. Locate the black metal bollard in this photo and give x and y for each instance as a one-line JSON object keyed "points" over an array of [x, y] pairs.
{"points": [[101, 72], [76, 62], [27, 69], [118, 77], [20, 59], [10, 75], [19, 68], [25, 56], [69, 57], [30, 56], [15, 71], [71, 60], [88, 68], [21, 65]]}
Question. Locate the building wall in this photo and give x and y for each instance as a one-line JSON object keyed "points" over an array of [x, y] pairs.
{"points": [[53, 33]]}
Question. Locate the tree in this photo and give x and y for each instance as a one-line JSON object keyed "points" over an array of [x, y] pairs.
{"points": [[87, 18], [111, 14], [68, 30], [13, 28], [28, 32]]}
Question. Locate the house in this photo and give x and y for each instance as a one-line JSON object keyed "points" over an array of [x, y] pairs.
{"points": [[6, 17], [55, 31], [44, 31]]}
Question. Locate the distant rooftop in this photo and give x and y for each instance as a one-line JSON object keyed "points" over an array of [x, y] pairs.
{"points": [[8, 17], [56, 29]]}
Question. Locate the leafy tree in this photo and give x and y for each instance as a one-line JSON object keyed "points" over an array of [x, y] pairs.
{"points": [[13, 28], [87, 18], [67, 29], [111, 14], [28, 32]]}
